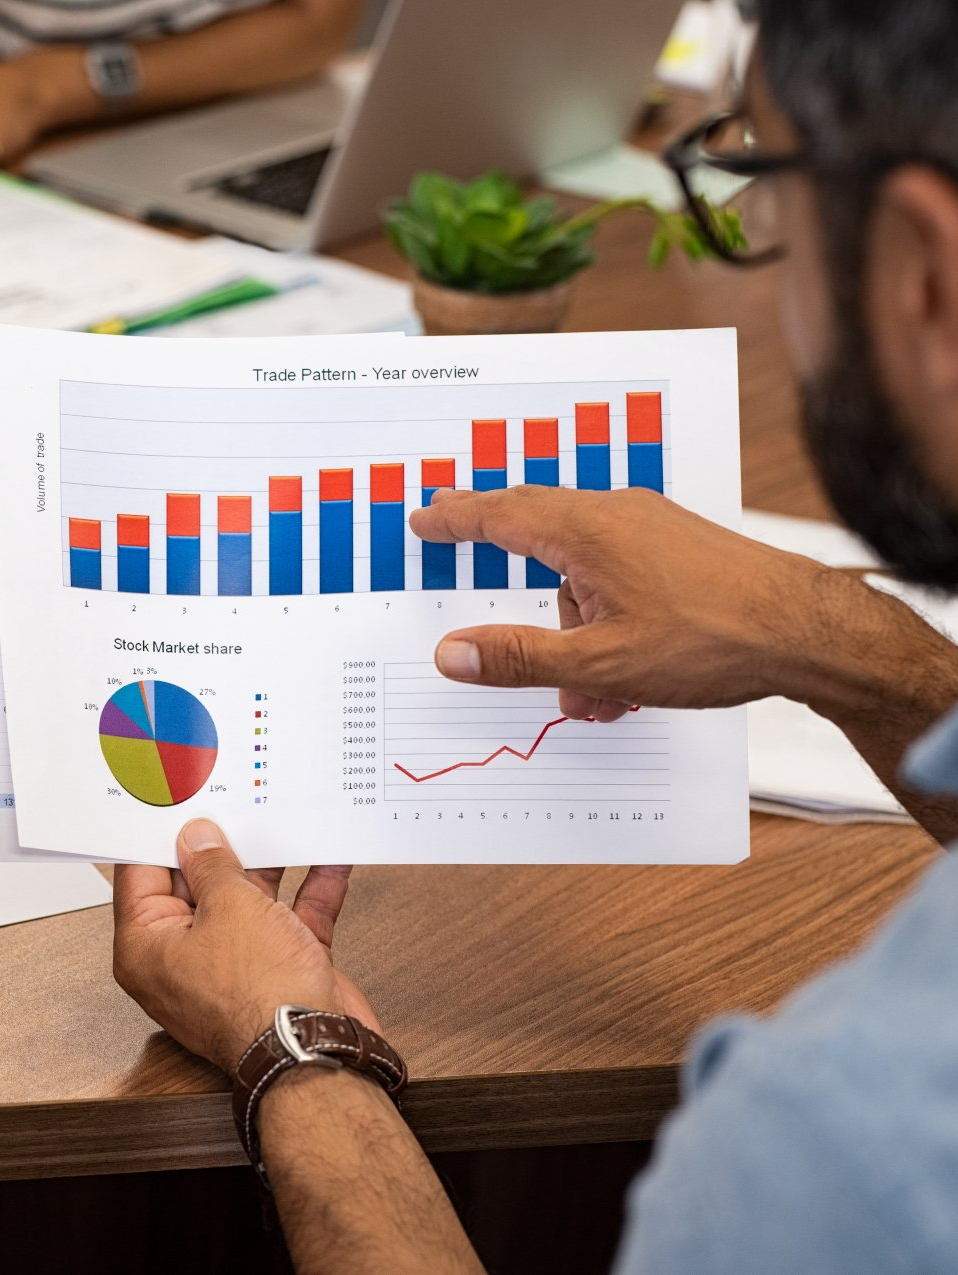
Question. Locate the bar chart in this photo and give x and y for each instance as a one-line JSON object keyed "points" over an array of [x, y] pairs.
{"points": [[279, 493]]}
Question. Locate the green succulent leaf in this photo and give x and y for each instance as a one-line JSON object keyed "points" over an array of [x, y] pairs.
{"points": [[482, 236]]}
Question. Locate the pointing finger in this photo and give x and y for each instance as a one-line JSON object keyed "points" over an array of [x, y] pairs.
{"points": [[539, 522]]}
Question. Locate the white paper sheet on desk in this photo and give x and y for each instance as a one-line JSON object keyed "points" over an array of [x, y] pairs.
{"points": [[799, 763], [798, 759], [324, 296], [626, 172], [69, 267], [29, 891], [826, 542], [10, 849]]}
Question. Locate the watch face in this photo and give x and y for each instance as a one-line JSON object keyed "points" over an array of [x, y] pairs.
{"points": [[115, 69]]}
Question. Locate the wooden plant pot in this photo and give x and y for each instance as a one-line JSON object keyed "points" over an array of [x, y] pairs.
{"points": [[452, 312]]}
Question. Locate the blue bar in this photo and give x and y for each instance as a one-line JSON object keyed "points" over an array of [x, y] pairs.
{"points": [[593, 467], [438, 561], [286, 551], [133, 568], [387, 545], [182, 564], [488, 479], [85, 569], [645, 466], [490, 564], [544, 472], [234, 559], [335, 546]]}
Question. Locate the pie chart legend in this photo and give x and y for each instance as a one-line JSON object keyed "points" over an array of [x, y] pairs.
{"points": [[159, 742]]}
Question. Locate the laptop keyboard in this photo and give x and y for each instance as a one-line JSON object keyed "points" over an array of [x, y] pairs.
{"points": [[287, 185]]}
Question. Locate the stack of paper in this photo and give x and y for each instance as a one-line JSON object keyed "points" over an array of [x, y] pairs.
{"points": [[74, 268], [66, 266], [317, 296], [799, 763]]}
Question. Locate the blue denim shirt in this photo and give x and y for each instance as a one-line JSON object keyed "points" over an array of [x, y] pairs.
{"points": [[824, 1140]]}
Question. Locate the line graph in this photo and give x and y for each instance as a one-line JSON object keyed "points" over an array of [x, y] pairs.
{"points": [[449, 742], [501, 751]]}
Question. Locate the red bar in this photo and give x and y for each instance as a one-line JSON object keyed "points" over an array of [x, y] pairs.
{"points": [[387, 484], [234, 514], [488, 444], [335, 484], [439, 473], [643, 414], [84, 533], [592, 423], [182, 515], [285, 495], [133, 530], [541, 438]]}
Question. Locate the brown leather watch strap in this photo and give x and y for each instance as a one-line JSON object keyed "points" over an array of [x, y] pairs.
{"points": [[305, 1037]]}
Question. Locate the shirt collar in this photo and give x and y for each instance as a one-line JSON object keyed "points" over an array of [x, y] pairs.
{"points": [[931, 763]]}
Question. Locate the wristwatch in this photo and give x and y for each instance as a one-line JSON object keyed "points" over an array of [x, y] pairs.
{"points": [[113, 70], [308, 1037]]}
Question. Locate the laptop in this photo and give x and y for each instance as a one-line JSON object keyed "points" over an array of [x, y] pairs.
{"points": [[511, 84]]}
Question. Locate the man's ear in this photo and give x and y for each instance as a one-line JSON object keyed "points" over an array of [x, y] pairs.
{"points": [[911, 268]]}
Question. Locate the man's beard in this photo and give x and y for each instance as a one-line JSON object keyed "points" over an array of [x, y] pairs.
{"points": [[867, 463]]}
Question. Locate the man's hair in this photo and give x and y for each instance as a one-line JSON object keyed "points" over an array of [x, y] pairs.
{"points": [[856, 76]]}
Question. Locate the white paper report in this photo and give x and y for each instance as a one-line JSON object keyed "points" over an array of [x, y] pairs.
{"points": [[211, 602]]}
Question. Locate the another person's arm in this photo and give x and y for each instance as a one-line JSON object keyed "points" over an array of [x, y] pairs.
{"points": [[209, 956], [47, 88], [661, 607]]}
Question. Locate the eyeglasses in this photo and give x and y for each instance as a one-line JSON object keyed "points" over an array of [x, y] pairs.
{"points": [[723, 143]]}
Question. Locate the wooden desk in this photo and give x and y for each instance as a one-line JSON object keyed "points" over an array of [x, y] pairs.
{"points": [[535, 1005]]}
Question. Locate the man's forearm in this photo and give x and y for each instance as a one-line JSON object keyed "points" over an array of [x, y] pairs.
{"points": [[353, 1189], [868, 663]]}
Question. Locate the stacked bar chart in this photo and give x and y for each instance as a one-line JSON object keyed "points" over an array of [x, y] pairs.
{"points": [[593, 451], [182, 543], [335, 531], [234, 545], [438, 561], [301, 502], [286, 535], [387, 527], [133, 553], [86, 561], [644, 428], [490, 565], [541, 455]]}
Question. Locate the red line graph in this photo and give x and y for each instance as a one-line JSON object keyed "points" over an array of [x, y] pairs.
{"points": [[505, 748]]}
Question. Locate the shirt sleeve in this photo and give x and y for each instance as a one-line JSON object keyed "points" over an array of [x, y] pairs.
{"points": [[780, 1163]]}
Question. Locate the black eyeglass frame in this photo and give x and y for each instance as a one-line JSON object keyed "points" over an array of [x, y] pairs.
{"points": [[688, 151]]}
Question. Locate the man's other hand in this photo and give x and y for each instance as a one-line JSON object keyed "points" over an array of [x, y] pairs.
{"points": [[209, 954], [658, 605]]}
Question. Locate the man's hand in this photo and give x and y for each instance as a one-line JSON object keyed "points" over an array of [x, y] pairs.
{"points": [[211, 954], [658, 606]]}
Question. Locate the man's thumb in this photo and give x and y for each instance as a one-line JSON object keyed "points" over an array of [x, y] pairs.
{"points": [[206, 857], [515, 655]]}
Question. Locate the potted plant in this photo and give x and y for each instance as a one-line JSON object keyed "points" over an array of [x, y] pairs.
{"points": [[485, 259]]}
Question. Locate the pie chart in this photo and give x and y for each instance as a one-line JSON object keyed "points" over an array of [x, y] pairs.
{"points": [[159, 741]]}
